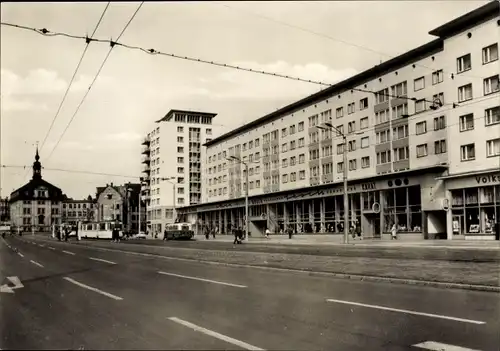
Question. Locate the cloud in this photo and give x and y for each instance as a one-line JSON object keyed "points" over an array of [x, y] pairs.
{"points": [[11, 104]]}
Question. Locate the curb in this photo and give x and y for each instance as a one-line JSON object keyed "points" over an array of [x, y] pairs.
{"points": [[370, 278]]}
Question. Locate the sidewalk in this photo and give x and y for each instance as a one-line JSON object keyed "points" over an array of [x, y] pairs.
{"points": [[337, 240]]}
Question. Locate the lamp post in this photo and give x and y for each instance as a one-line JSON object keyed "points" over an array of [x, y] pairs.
{"points": [[173, 195], [346, 198], [129, 213], [246, 192]]}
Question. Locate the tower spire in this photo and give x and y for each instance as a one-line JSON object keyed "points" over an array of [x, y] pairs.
{"points": [[37, 166]]}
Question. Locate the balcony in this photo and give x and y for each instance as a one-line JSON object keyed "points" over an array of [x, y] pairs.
{"points": [[147, 169], [146, 150], [146, 159], [146, 141]]}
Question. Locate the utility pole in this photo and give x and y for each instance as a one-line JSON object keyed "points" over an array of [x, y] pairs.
{"points": [[246, 192]]}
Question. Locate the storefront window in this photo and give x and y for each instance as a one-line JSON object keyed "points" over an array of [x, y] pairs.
{"points": [[415, 207], [472, 220], [457, 198]]}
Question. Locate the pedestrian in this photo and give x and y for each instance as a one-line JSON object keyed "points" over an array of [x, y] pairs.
{"points": [[290, 232], [207, 233], [358, 231], [394, 232], [213, 232], [267, 233]]}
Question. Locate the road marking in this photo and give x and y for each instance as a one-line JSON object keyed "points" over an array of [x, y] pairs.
{"points": [[50, 247], [38, 264], [42, 245], [408, 311], [202, 279], [69, 252], [20, 254], [437, 346], [100, 259], [93, 289], [219, 336]]}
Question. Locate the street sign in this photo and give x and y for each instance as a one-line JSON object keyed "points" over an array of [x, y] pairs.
{"points": [[5, 288]]}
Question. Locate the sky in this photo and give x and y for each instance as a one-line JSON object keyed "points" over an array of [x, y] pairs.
{"points": [[326, 41]]}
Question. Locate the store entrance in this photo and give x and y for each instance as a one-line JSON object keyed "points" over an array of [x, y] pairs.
{"points": [[371, 228]]}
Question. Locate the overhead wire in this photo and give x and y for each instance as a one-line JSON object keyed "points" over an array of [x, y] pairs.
{"points": [[72, 79], [214, 63], [332, 38], [112, 44]]}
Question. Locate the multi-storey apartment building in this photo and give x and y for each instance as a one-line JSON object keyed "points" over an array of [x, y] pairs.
{"points": [[4, 209], [422, 133], [36, 206], [173, 157], [74, 211]]}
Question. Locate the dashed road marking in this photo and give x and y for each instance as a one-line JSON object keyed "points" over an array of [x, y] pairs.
{"points": [[20, 254], [101, 260], [203, 280], [68, 252], [214, 334], [36, 263], [437, 346], [93, 289], [50, 247], [408, 311]]}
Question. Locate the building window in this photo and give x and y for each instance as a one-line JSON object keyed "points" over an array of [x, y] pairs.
{"points": [[180, 149], [180, 169], [363, 103], [467, 122], [293, 177], [493, 147], [353, 164], [351, 127], [421, 127], [340, 149], [382, 96], [208, 131], [284, 163], [301, 142], [180, 129], [439, 123], [492, 115], [465, 92], [363, 123], [419, 84], [340, 129], [352, 145], [293, 160], [283, 132], [401, 153], [365, 142], [437, 77], [180, 159], [339, 112], [422, 150], [350, 108], [399, 111], [420, 105], [438, 97], [382, 116], [244, 148], [340, 167], [400, 132], [293, 145], [302, 158], [440, 146], [284, 178], [383, 136], [490, 53], [313, 121], [257, 183], [399, 89], [301, 126], [180, 200], [490, 85], [257, 142], [365, 162], [284, 147], [302, 175], [467, 152], [464, 63]]}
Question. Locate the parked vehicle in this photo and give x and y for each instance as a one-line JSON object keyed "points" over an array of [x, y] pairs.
{"points": [[177, 231]]}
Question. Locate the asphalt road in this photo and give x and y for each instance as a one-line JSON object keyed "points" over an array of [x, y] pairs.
{"points": [[457, 254], [83, 297]]}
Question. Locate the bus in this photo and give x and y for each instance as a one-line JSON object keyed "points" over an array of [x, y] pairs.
{"points": [[179, 231]]}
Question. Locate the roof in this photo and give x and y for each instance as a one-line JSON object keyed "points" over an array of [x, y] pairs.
{"points": [[345, 85], [27, 191], [122, 190], [469, 20], [170, 113]]}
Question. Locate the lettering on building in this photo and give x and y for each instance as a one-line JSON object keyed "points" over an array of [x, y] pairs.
{"points": [[368, 186], [488, 179]]}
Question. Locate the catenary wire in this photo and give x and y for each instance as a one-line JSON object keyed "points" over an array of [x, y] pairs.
{"points": [[205, 61], [93, 81], [335, 39]]}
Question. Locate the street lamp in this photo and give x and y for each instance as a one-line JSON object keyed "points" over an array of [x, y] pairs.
{"points": [[173, 183], [129, 212], [346, 199]]}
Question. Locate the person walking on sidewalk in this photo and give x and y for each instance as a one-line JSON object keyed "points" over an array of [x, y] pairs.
{"points": [[267, 233], [216, 230], [394, 232]]}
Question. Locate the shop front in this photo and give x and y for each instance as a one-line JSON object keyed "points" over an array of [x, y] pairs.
{"points": [[411, 202], [475, 205]]}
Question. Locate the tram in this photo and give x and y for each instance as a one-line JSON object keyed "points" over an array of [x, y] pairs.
{"points": [[99, 230], [179, 231]]}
